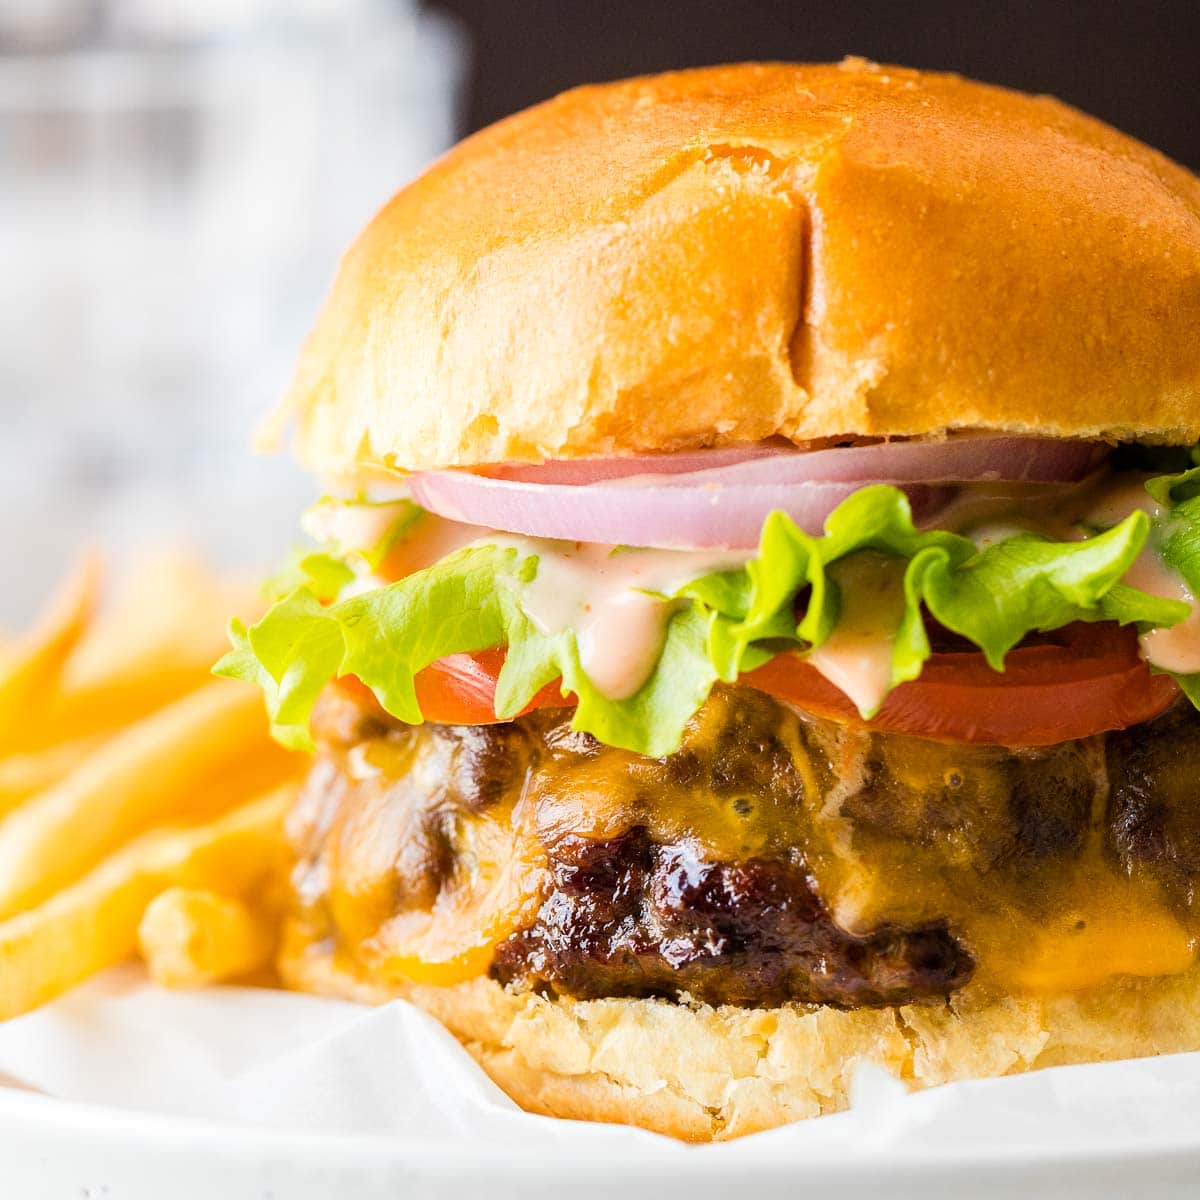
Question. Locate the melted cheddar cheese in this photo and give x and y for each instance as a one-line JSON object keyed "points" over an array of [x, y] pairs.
{"points": [[419, 875]]}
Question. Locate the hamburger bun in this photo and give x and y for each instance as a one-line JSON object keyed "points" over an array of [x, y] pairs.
{"points": [[721, 256], [711, 1074], [734, 253]]}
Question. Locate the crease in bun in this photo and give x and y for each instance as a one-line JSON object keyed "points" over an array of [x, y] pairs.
{"points": [[734, 253], [712, 1074]]}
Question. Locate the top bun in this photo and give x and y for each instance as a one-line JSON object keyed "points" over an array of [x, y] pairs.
{"points": [[735, 253]]}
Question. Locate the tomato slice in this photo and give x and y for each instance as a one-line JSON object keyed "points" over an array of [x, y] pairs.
{"points": [[1088, 680], [460, 689]]}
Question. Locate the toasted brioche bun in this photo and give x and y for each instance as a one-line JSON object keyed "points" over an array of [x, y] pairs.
{"points": [[711, 1074], [732, 253]]}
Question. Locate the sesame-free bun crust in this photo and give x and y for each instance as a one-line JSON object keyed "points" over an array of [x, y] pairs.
{"points": [[733, 253], [711, 1074]]}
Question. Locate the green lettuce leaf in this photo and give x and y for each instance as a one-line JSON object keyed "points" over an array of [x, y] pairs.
{"points": [[324, 574], [649, 722], [1027, 583], [292, 653], [1176, 538], [467, 602], [716, 627], [1188, 684], [1178, 534], [1170, 490], [460, 605], [993, 597]]}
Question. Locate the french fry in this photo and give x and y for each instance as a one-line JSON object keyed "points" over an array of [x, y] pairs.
{"points": [[94, 923], [189, 937], [23, 775], [158, 639], [34, 665], [146, 775], [116, 750]]}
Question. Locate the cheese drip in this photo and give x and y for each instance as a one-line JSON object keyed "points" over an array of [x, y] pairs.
{"points": [[1016, 851]]}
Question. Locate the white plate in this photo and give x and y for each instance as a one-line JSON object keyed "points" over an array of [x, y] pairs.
{"points": [[254, 1095], [51, 1148]]}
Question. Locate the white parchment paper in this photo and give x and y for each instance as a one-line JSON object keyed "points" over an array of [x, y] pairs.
{"points": [[299, 1093]]}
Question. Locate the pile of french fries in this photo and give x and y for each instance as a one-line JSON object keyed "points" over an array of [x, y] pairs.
{"points": [[141, 800]]}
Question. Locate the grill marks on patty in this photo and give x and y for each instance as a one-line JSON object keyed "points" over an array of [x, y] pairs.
{"points": [[984, 805], [630, 917], [1154, 806], [771, 859], [711, 896]]}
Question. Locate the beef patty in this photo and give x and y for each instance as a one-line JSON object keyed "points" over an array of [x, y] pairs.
{"points": [[632, 917], [772, 858]]}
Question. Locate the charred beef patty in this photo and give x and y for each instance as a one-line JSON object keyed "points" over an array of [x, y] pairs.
{"points": [[632, 917], [772, 858]]}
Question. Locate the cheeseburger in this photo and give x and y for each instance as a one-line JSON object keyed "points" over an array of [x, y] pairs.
{"points": [[752, 631]]}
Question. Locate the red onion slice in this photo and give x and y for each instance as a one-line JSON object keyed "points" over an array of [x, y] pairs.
{"points": [[969, 459], [728, 517], [719, 498]]}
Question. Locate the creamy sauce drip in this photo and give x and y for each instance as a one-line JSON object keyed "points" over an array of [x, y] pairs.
{"points": [[349, 525], [600, 591], [1176, 648], [430, 540], [1116, 498], [857, 655], [990, 512], [989, 515]]}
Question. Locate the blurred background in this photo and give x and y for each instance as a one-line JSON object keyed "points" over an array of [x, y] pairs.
{"points": [[178, 178]]}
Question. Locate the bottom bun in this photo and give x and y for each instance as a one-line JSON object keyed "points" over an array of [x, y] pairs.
{"points": [[710, 1074]]}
